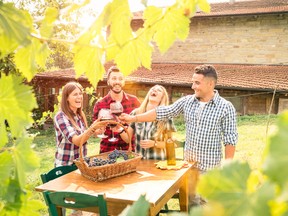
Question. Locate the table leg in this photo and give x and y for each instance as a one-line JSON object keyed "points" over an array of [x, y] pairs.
{"points": [[188, 188]]}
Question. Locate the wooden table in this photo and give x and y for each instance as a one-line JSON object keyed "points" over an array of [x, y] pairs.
{"points": [[158, 185]]}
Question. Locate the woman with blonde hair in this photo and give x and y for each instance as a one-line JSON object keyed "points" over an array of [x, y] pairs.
{"points": [[150, 135], [70, 125]]}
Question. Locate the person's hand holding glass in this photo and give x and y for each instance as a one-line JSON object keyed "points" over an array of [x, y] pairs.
{"points": [[116, 110], [104, 115]]}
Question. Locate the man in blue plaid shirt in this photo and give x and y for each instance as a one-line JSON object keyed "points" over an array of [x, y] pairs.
{"points": [[210, 120]]}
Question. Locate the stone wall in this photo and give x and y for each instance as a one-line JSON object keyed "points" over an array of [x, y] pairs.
{"points": [[249, 39]]}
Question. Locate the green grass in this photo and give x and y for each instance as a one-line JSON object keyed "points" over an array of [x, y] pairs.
{"points": [[253, 134]]}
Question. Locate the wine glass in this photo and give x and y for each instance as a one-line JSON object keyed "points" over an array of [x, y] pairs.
{"points": [[116, 108], [104, 115]]}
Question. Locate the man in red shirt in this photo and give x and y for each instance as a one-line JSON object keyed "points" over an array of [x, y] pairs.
{"points": [[116, 82]]}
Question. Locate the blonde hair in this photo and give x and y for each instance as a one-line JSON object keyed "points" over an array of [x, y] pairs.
{"points": [[161, 125], [66, 91]]}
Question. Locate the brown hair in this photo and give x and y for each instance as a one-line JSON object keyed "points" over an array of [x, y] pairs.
{"points": [[207, 71], [66, 91], [112, 69]]}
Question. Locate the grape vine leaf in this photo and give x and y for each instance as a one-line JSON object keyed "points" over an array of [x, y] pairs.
{"points": [[15, 26], [190, 6], [46, 27], [276, 153], [76, 6], [89, 55], [138, 52], [3, 132], [88, 61], [168, 27], [25, 158], [119, 19], [29, 57], [203, 5], [139, 208], [230, 192], [27, 206], [16, 102], [5, 168], [152, 15]]}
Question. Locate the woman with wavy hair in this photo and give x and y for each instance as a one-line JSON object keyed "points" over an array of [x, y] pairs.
{"points": [[149, 136]]}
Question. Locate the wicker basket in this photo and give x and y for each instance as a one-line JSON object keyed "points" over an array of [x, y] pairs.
{"points": [[100, 173]]}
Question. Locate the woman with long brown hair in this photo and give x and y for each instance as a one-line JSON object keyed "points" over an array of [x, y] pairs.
{"points": [[70, 125], [149, 136]]}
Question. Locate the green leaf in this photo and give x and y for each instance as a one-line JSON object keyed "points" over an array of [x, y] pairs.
{"points": [[120, 18], [259, 202], [168, 27], [74, 7], [46, 27], [112, 49], [233, 179], [189, 7], [15, 26], [139, 208], [279, 206], [31, 207], [26, 207], [88, 61], [42, 54], [227, 187], [152, 16], [120, 159], [25, 158], [137, 52], [29, 57], [5, 168], [16, 102], [276, 158], [204, 6], [3, 133]]}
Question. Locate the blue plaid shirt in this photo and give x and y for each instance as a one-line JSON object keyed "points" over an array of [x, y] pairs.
{"points": [[206, 129]]}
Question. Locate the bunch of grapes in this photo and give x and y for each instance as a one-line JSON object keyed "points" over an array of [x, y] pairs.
{"points": [[100, 161], [113, 157], [87, 159], [118, 155]]}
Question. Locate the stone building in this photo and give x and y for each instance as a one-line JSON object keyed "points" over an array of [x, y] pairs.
{"points": [[246, 41]]}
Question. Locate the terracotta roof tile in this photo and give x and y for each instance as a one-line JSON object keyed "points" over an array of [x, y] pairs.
{"points": [[229, 76], [254, 77]]}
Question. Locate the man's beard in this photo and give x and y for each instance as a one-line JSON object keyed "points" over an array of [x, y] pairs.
{"points": [[116, 92]]}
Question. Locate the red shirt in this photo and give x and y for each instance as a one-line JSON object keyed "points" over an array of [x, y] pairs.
{"points": [[129, 103]]}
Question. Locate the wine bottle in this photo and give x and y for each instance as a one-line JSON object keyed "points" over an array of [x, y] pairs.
{"points": [[170, 149]]}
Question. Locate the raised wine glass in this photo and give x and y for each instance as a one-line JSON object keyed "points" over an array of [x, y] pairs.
{"points": [[116, 108], [105, 115]]}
